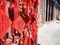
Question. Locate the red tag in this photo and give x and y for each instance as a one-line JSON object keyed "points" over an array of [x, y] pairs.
{"points": [[19, 24], [4, 24]]}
